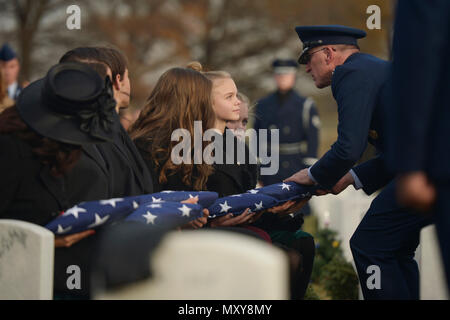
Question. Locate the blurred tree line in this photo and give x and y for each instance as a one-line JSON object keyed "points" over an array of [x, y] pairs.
{"points": [[240, 36]]}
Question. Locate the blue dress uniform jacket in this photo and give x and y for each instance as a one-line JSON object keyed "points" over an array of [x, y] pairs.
{"points": [[297, 119], [422, 91], [389, 234], [422, 99], [374, 174], [356, 85]]}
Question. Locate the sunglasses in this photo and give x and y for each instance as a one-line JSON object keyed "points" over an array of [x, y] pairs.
{"points": [[309, 55]]}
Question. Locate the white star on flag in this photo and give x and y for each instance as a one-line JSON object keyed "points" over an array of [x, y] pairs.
{"points": [[135, 205], [254, 191], [111, 202], [75, 211], [98, 221], [61, 230], [185, 210], [236, 195], [259, 206], [157, 199], [285, 186], [149, 217], [167, 191], [154, 205], [224, 207]]}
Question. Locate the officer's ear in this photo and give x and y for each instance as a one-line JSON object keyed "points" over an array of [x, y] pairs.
{"points": [[330, 52]]}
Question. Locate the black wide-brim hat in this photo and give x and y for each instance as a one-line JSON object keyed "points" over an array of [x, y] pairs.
{"points": [[314, 36], [72, 104]]}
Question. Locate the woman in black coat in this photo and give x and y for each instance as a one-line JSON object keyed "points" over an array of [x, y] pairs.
{"points": [[43, 168], [48, 158]]}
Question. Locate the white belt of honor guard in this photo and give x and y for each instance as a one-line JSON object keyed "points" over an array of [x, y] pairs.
{"points": [[293, 148]]}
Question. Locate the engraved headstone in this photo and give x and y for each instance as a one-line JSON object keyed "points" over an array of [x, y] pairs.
{"points": [[26, 261]]}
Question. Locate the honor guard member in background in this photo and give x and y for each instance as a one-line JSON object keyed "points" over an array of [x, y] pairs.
{"points": [[388, 235], [420, 149], [296, 118], [10, 67], [298, 122]]}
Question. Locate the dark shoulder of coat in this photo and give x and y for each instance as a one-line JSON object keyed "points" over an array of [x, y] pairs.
{"points": [[361, 67], [174, 181], [129, 175], [24, 196], [233, 178]]}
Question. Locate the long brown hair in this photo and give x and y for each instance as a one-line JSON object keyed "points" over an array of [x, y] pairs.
{"points": [[180, 97], [61, 157]]}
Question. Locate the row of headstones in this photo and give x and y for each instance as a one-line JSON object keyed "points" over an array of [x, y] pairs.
{"points": [[344, 212], [215, 265], [26, 259]]}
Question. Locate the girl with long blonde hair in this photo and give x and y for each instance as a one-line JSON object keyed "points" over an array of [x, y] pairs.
{"points": [[229, 179]]}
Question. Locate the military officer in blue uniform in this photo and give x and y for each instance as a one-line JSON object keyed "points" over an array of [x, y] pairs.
{"points": [[295, 117], [388, 235], [420, 150], [10, 66]]}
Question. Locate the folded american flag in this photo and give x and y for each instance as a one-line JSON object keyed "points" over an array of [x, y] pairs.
{"points": [[285, 191], [167, 214], [93, 214], [163, 209], [261, 198], [236, 204], [205, 198]]}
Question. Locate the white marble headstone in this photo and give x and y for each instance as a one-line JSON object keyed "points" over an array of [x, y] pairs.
{"points": [[432, 275], [211, 265], [342, 213], [26, 261]]}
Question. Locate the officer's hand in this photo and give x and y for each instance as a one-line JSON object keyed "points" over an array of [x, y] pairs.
{"points": [[301, 177], [343, 183], [416, 191]]}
